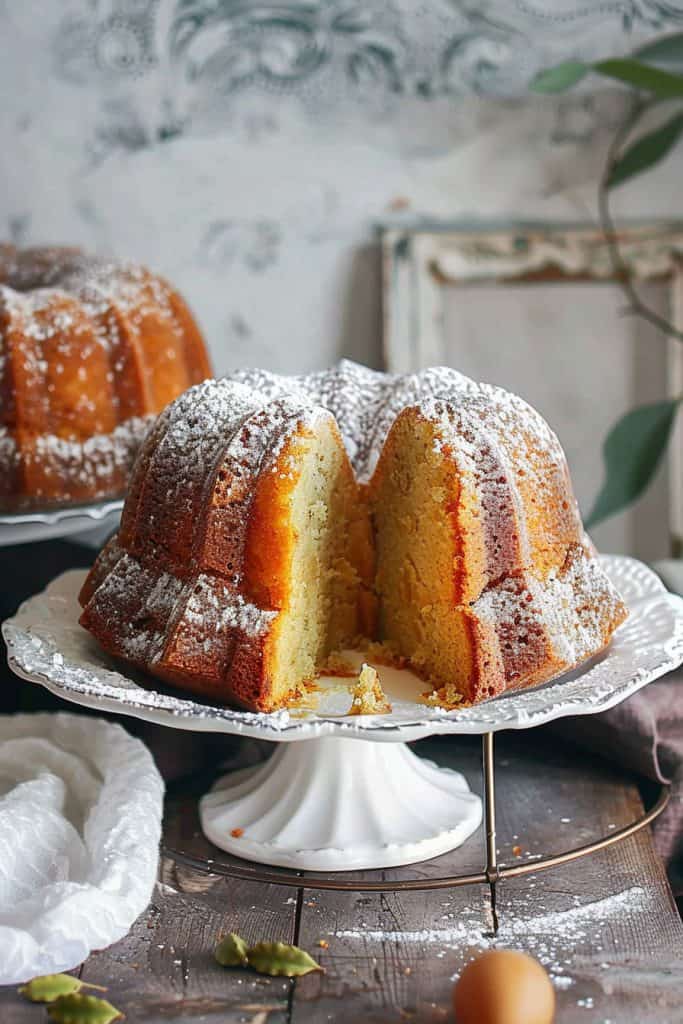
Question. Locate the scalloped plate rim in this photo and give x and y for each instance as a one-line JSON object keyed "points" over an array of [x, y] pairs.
{"points": [[52, 516], [279, 726], [35, 525]]}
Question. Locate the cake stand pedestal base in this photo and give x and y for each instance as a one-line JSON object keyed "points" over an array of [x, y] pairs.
{"points": [[334, 804]]}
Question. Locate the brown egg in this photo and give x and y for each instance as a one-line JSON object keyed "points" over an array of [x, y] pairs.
{"points": [[504, 987]]}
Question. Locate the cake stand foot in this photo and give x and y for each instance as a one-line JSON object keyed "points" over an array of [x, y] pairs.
{"points": [[335, 804]]}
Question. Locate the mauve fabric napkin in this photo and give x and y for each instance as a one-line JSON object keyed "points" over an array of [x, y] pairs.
{"points": [[644, 735]]}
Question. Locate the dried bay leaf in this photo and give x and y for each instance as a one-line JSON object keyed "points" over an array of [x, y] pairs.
{"points": [[49, 987], [78, 1009], [280, 960], [231, 951]]}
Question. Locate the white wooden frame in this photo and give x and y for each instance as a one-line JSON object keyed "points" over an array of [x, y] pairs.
{"points": [[419, 261]]}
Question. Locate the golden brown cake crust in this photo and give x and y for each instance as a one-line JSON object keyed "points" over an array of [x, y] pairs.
{"points": [[90, 353], [178, 591]]}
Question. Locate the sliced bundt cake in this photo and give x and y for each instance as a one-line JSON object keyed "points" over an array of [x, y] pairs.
{"points": [[272, 521]]}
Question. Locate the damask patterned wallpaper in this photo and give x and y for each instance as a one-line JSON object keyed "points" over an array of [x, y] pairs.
{"points": [[249, 149]]}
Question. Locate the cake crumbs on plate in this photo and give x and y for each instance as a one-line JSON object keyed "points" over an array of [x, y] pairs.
{"points": [[447, 701], [303, 699], [237, 833], [367, 695], [381, 653]]}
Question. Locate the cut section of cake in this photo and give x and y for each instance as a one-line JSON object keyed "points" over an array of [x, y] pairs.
{"points": [[272, 521], [244, 550], [485, 580]]}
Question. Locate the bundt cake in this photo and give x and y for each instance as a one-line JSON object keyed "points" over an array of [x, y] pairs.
{"points": [[272, 521], [90, 353]]}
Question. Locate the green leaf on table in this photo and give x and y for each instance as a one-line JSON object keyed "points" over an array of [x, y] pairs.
{"points": [[78, 1009], [663, 84], [49, 987], [231, 951], [646, 151], [667, 50], [280, 960], [561, 77], [632, 451]]}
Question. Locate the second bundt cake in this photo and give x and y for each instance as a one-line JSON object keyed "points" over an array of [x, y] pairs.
{"points": [[272, 521], [90, 353]]}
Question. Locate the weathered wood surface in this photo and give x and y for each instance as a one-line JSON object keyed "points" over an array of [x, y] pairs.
{"points": [[391, 957], [623, 961]]}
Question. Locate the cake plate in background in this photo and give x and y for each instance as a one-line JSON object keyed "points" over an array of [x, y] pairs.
{"points": [[46, 524], [344, 792]]}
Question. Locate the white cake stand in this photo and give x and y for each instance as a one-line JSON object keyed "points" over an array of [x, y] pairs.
{"points": [[46, 524], [325, 801]]}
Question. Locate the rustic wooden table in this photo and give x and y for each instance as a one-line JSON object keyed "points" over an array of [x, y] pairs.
{"points": [[606, 926]]}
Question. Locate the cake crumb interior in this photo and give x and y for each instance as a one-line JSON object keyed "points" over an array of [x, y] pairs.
{"points": [[369, 565], [320, 607], [418, 551]]}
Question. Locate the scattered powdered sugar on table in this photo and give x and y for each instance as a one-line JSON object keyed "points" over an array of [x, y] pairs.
{"points": [[546, 936], [569, 924]]}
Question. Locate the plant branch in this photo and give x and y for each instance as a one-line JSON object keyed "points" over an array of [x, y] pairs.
{"points": [[622, 272]]}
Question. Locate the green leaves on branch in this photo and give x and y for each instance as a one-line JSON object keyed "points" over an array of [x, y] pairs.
{"points": [[635, 445], [632, 452], [274, 958], [560, 78], [646, 152], [667, 50], [665, 85], [639, 75], [662, 84]]}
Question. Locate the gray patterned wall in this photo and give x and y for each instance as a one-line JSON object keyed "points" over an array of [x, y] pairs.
{"points": [[248, 149]]}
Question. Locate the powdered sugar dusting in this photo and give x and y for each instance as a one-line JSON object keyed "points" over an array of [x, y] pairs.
{"points": [[546, 936], [217, 420], [30, 279], [143, 631], [94, 461], [568, 603], [223, 609], [365, 404]]}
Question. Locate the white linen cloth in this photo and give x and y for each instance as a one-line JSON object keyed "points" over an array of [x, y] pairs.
{"points": [[80, 823]]}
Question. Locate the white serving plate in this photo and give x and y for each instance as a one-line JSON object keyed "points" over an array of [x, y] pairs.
{"points": [[36, 525], [47, 646], [331, 804]]}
